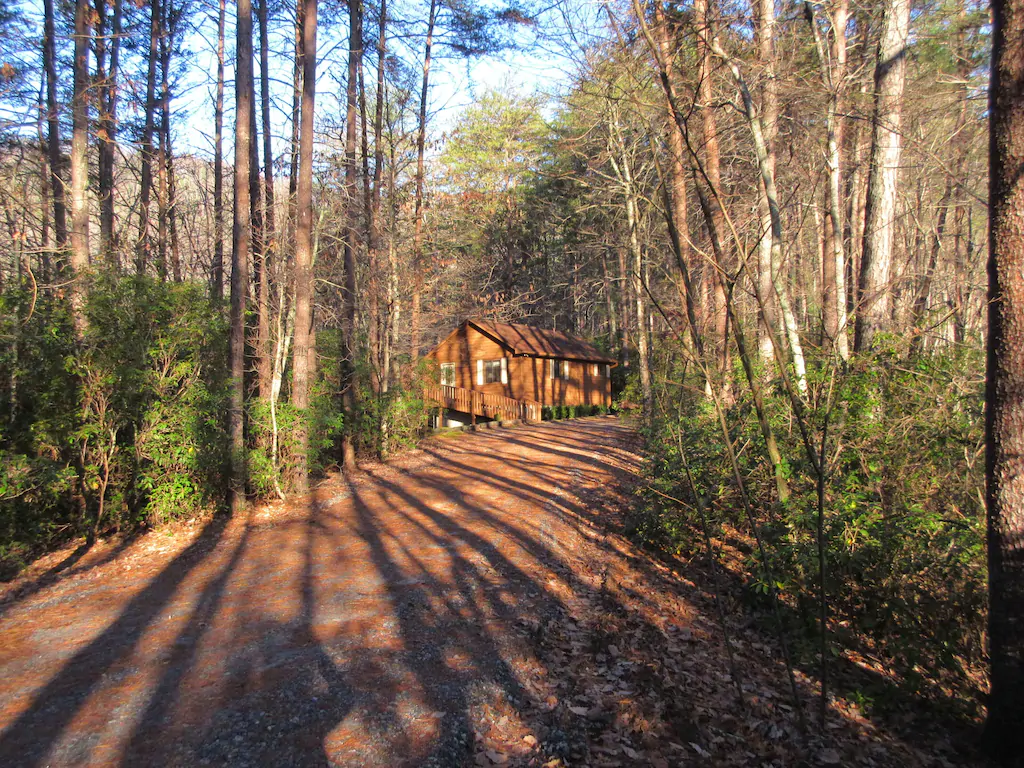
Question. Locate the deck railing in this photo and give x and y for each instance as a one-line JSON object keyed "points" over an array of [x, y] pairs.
{"points": [[486, 404]]}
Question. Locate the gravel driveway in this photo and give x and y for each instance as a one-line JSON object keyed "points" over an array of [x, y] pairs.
{"points": [[390, 619]]}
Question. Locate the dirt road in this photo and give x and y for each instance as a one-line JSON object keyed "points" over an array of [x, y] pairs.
{"points": [[471, 603]]}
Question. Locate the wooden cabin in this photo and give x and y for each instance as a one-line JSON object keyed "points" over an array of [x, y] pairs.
{"points": [[507, 371]]}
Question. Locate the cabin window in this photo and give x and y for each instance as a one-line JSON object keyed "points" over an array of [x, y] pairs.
{"points": [[448, 374], [607, 371], [492, 372], [597, 369], [558, 369]]}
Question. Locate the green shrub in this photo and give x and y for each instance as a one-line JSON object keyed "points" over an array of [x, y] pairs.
{"points": [[125, 426]]}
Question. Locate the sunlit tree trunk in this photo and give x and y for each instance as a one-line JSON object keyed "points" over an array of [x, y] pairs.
{"points": [[833, 74], [764, 31], [780, 289], [303, 348], [80, 161], [1004, 392], [241, 241], [713, 166], [874, 312]]}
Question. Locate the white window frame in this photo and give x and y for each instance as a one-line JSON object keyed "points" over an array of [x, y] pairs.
{"points": [[448, 368]]}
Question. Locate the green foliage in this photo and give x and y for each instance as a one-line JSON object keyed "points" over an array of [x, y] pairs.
{"points": [[121, 427], [395, 420], [269, 471], [904, 518]]}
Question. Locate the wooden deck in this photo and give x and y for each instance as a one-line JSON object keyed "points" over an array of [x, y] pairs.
{"points": [[483, 404]]}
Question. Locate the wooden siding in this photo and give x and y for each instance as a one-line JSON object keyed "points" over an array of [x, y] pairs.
{"points": [[528, 377]]}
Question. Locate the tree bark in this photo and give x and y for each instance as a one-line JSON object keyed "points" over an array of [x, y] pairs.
{"points": [[241, 242], [874, 313], [303, 348], [1004, 392]]}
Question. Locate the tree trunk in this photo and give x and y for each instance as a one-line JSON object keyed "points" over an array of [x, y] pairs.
{"points": [[353, 207], [60, 227], [297, 92], [713, 169], [875, 308], [417, 243], [269, 242], [374, 233], [241, 241], [106, 127], [217, 289], [80, 162], [165, 212], [144, 247], [303, 349], [780, 291], [833, 289], [764, 32], [1004, 392], [260, 286]]}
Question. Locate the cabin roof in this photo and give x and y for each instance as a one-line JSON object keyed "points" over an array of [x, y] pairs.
{"points": [[539, 342]]}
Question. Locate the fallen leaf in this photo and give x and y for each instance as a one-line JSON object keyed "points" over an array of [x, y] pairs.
{"points": [[829, 757]]}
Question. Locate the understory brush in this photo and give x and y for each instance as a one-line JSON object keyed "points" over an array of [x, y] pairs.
{"points": [[902, 525]]}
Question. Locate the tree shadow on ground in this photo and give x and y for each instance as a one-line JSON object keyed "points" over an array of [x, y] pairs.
{"points": [[69, 566]]}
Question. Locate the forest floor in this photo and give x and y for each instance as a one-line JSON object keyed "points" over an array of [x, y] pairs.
{"points": [[472, 602]]}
